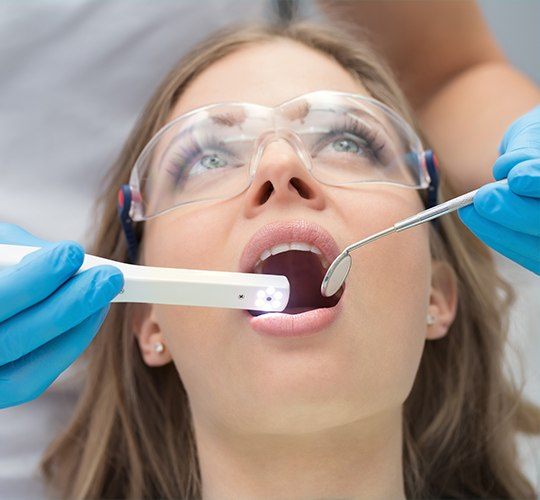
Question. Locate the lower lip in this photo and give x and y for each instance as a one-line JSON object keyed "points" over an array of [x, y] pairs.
{"points": [[295, 325]]}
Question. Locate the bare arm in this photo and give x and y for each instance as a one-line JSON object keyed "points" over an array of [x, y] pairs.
{"points": [[463, 90]]}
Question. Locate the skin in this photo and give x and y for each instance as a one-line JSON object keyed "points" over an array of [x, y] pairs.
{"points": [[297, 418]]}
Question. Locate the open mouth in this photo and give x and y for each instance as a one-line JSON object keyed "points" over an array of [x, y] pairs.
{"points": [[305, 272]]}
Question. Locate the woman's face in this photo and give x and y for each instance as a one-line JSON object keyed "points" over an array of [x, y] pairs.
{"points": [[361, 364]]}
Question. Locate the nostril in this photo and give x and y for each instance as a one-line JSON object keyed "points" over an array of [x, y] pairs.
{"points": [[301, 187], [266, 189]]}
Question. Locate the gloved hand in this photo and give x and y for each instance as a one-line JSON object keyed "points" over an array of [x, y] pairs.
{"points": [[47, 316], [507, 217]]}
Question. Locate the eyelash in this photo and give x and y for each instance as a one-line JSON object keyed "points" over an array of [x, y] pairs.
{"points": [[374, 143], [185, 155]]}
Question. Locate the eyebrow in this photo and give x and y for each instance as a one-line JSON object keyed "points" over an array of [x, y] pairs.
{"points": [[298, 111], [229, 118]]}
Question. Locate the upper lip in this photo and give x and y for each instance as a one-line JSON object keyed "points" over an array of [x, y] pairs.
{"points": [[287, 232]]}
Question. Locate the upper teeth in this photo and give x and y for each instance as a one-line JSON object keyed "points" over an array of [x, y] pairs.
{"points": [[285, 247]]}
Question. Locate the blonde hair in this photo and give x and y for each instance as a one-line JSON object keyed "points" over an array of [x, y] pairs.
{"points": [[131, 434]]}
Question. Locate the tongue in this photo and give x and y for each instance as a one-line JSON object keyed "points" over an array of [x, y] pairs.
{"points": [[305, 273]]}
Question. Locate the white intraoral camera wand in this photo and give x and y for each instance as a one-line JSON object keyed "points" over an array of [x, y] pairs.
{"points": [[189, 287]]}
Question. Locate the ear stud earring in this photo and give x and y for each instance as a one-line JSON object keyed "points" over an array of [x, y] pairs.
{"points": [[159, 347], [430, 319]]}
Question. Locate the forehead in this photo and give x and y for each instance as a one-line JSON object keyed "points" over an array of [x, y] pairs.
{"points": [[268, 74]]}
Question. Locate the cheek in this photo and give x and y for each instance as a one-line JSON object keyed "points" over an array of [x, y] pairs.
{"points": [[189, 238], [388, 289], [192, 239]]}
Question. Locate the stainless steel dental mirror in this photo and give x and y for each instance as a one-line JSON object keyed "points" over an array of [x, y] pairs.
{"points": [[339, 269]]}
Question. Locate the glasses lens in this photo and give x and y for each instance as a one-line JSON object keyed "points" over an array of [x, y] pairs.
{"points": [[351, 141], [203, 157]]}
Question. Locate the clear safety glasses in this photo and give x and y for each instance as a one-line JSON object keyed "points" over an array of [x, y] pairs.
{"points": [[213, 152]]}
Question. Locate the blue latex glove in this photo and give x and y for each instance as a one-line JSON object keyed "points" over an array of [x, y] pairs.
{"points": [[507, 217], [47, 316]]}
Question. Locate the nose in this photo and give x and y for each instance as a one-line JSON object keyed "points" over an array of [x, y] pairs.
{"points": [[283, 179]]}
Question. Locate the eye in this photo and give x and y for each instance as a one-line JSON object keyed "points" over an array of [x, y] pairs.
{"points": [[345, 145], [213, 161]]}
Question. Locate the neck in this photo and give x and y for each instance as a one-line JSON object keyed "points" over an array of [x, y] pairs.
{"points": [[358, 460]]}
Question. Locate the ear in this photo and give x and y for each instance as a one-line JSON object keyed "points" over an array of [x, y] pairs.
{"points": [[443, 299], [148, 333]]}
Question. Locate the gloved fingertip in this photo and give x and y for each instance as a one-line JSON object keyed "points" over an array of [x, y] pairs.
{"points": [[117, 281], [75, 253], [502, 166], [520, 183], [113, 278], [525, 179], [67, 254], [487, 199]]}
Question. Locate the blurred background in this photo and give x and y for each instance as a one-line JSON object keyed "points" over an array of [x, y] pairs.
{"points": [[516, 25]]}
